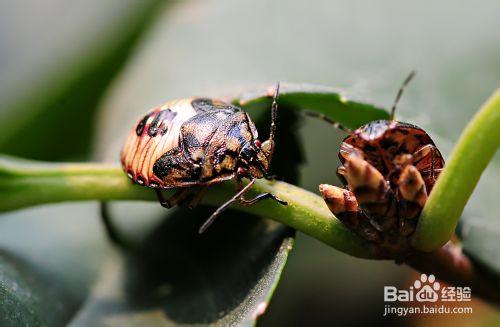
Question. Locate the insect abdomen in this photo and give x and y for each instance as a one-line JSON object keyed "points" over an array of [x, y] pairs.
{"points": [[156, 133]]}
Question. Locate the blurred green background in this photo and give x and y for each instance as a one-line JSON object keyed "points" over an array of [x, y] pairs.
{"points": [[75, 60]]}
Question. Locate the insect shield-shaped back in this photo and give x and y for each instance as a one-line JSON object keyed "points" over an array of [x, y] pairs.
{"points": [[196, 142], [191, 142]]}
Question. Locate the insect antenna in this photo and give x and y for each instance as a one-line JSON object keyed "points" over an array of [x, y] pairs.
{"points": [[268, 145], [274, 112], [400, 92], [328, 120]]}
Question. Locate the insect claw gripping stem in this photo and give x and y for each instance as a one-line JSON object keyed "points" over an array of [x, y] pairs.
{"points": [[164, 202], [179, 196], [263, 196], [240, 197]]}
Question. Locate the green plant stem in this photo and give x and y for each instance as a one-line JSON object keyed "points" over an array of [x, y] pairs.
{"points": [[475, 148], [29, 183]]}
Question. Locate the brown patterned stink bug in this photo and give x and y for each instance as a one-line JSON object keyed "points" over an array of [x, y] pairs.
{"points": [[388, 168], [198, 142]]}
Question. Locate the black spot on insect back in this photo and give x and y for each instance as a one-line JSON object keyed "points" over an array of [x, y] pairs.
{"points": [[153, 128], [142, 124], [159, 118]]}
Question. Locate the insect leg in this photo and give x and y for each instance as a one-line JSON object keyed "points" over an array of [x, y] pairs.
{"points": [[197, 197], [423, 152], [113, 234], [343, 204], [328, 120], [263, 196], [341, 174], [175, 199], [425, 160], [223, 207], [346, 150]]}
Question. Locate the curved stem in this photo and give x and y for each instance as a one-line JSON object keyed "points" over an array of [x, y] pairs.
{"points": [[28, 183], [475, 148]]}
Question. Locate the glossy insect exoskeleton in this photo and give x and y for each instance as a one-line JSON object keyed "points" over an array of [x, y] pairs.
{"points": [[388, 169], [198, 142]]}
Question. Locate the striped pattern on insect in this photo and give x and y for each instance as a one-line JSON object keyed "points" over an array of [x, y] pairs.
{"points": [[198, 142]]}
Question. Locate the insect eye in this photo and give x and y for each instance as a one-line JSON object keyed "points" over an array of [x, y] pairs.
{"points": [[267, 147], [242, 172], [247, 152]]}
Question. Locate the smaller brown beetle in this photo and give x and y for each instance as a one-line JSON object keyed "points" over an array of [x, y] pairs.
{"points": [[199, 142], [388, 169]]}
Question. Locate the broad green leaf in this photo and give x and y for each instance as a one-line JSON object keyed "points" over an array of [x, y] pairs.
{"points": [[321, 99], [48, 260], [53, 117], [49, 256], [176, 276]]}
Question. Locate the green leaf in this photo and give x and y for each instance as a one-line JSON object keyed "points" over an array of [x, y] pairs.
{"points": [[48, 261], [53, 119], [321, 99], [223, 277]]}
